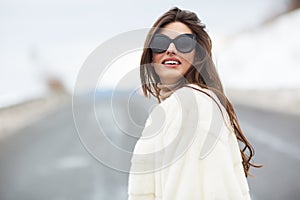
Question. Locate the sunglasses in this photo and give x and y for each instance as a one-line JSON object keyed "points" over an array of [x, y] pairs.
{"points": [[184, 43]]}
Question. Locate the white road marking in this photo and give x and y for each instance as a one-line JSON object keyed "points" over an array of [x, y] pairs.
{"points": [[73, 162], [273, 142]]}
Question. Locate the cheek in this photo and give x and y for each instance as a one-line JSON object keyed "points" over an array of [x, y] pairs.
{"points": [[156, 58], [191, 57], [156, 62], [188, 59]]}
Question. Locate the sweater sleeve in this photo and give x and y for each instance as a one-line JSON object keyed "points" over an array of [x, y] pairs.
{"points": [[141, 182]]}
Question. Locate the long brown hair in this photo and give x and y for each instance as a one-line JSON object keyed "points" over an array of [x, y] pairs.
{"points": [[202, 72]]}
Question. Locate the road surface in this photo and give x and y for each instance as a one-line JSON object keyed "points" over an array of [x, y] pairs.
{"points": [[48, 161]]}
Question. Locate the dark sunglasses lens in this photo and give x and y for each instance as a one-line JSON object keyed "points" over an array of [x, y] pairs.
{"points": [[185, 44], [159, 44]]}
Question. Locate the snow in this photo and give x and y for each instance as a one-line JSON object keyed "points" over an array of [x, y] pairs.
{"points": [[19, 80], [267, 57]]}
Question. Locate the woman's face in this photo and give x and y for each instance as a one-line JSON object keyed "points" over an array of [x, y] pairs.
{"points": [[179, 63]]}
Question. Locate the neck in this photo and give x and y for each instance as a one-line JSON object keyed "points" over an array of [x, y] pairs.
{"points": [[166, 89]]}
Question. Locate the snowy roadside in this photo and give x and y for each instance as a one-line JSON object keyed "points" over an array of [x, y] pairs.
{"points": [[18, 116], [281, 100]]}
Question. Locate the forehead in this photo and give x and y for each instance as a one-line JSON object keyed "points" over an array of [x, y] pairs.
{"points": [[174, 29]]}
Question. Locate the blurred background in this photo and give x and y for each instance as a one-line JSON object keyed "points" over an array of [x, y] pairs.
{"points": [[49, 152]]}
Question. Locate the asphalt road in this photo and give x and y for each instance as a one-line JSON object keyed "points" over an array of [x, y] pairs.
{"points": [[49, 160], [276, 138]]}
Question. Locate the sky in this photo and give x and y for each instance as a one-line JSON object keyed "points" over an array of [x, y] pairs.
{"points": [[41, 38]]}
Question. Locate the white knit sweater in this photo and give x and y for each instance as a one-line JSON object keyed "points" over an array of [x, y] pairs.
{"points": [[187, 151]]}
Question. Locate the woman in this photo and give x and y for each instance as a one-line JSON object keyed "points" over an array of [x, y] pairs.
{"points": [[189, 147]]}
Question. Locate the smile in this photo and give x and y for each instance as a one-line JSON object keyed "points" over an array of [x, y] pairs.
{"points": [[171, 61]]}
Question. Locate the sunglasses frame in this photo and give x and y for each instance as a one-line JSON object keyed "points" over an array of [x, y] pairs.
{"points": [[190, 35]]}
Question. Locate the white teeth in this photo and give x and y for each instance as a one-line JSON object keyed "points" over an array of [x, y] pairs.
{"points": [[171, 62]]}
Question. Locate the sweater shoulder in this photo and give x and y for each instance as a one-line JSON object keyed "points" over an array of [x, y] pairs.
{"points": [[190, 95]]}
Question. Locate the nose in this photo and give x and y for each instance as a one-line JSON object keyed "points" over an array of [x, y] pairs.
{"points": [[171, 49]]}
